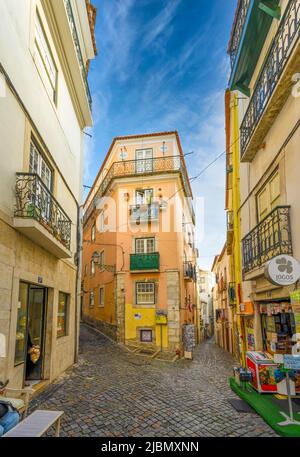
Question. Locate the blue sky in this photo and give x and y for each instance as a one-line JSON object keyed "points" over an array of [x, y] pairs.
{"points": [[162, 65]]}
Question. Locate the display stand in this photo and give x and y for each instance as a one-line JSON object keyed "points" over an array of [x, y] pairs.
{"points": [[289, 364]]}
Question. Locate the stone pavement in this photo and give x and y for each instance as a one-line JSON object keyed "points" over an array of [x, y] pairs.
{"points": [[111, 392]]}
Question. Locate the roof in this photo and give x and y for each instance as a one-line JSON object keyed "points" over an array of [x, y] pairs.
{"points": [[128, 137], [218, 257]]}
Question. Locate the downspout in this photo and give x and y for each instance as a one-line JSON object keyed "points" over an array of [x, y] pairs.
{"points": [[77, 284]]}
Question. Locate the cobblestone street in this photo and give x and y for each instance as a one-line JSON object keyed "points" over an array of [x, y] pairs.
{"points": [[111, 392]]}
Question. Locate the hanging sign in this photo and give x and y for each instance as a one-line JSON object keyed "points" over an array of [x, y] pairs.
{"points": [[161, 317], [282, 270]]}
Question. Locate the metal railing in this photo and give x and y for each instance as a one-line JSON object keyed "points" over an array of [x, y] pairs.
{"points": [[238, 30], [278, 55], [35, 201], [144, 213], [149, 261], [142, 167], [78, 50], [189, 270], [271, 237]]}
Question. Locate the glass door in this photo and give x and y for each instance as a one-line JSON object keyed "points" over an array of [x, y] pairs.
{"points": [[144, 162], [35, 334]]}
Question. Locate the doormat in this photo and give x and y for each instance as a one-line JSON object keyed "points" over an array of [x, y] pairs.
{"points": [[241, 406]]}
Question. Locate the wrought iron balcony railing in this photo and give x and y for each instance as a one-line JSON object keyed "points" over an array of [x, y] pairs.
{"points": [[142, 167], [144, 213], [35, 201], [189, 271], [238, 30], [278, 56], [78, 50], [144, 261], [271, 237]]}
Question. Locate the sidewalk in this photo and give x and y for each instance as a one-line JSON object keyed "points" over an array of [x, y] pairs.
{"points": [[269, 406]]}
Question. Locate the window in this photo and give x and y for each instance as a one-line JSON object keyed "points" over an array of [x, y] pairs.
{"points": [[44, 58], [143, 196], [144, 245], [269, 197], [145, 293], [92, 267], [101, 259], [102, 222], [146, 336], [38, 165], [144, 160], [21, 324], [62, 311], [93, 232], [101, 296], [85, 270], [92, 299], [202, 279]]}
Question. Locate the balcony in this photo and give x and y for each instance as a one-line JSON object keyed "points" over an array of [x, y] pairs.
{"points": [[189, 271], [144, 213], [251, 26], [40, 217], [144, 262], [143, 167], [230, 232], [274, 83], [271, 237]]}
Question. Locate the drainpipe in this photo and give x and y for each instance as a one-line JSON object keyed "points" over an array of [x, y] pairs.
{"points": [[77, 285]]}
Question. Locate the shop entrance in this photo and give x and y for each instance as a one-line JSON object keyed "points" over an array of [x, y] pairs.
{"points": [[34, 333], [278, 330]]}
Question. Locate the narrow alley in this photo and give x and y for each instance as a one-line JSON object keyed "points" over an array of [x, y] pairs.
{"points": [[110, 392]]}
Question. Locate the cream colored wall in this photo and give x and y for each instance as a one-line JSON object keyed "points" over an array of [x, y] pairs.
{"points": [[62, 139]]}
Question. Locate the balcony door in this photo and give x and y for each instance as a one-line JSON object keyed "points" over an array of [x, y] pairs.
{"points": [[144, 162], [41, 196]]}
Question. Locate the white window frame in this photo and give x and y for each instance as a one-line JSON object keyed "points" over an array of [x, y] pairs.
{"points": [[92, 299], [102, 222], [101, 297], [93, 232], [139, 293], [44, 56], [38, 165], [93, 269], [143, 196], [144, 242], [144, 160]]}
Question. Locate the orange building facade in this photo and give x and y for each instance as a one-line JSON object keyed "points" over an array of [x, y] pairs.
{"points": [[139, 255]]}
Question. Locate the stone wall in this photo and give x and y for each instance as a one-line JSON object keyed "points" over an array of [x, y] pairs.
{"points": [[107, 329], [173, 298]]}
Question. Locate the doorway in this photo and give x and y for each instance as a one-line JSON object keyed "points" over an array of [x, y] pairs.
{"points": [[35, 333]]}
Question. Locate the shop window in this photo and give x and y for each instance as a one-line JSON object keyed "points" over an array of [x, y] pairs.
{"points": [[145, 293], [44, 59], [62, 314], [20, 347], [101, 297], [146, 336], [269, 197], [144, 245], [92, 299]]}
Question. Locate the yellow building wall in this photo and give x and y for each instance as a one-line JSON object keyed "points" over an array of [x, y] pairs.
{"points": [[146, 320]]}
